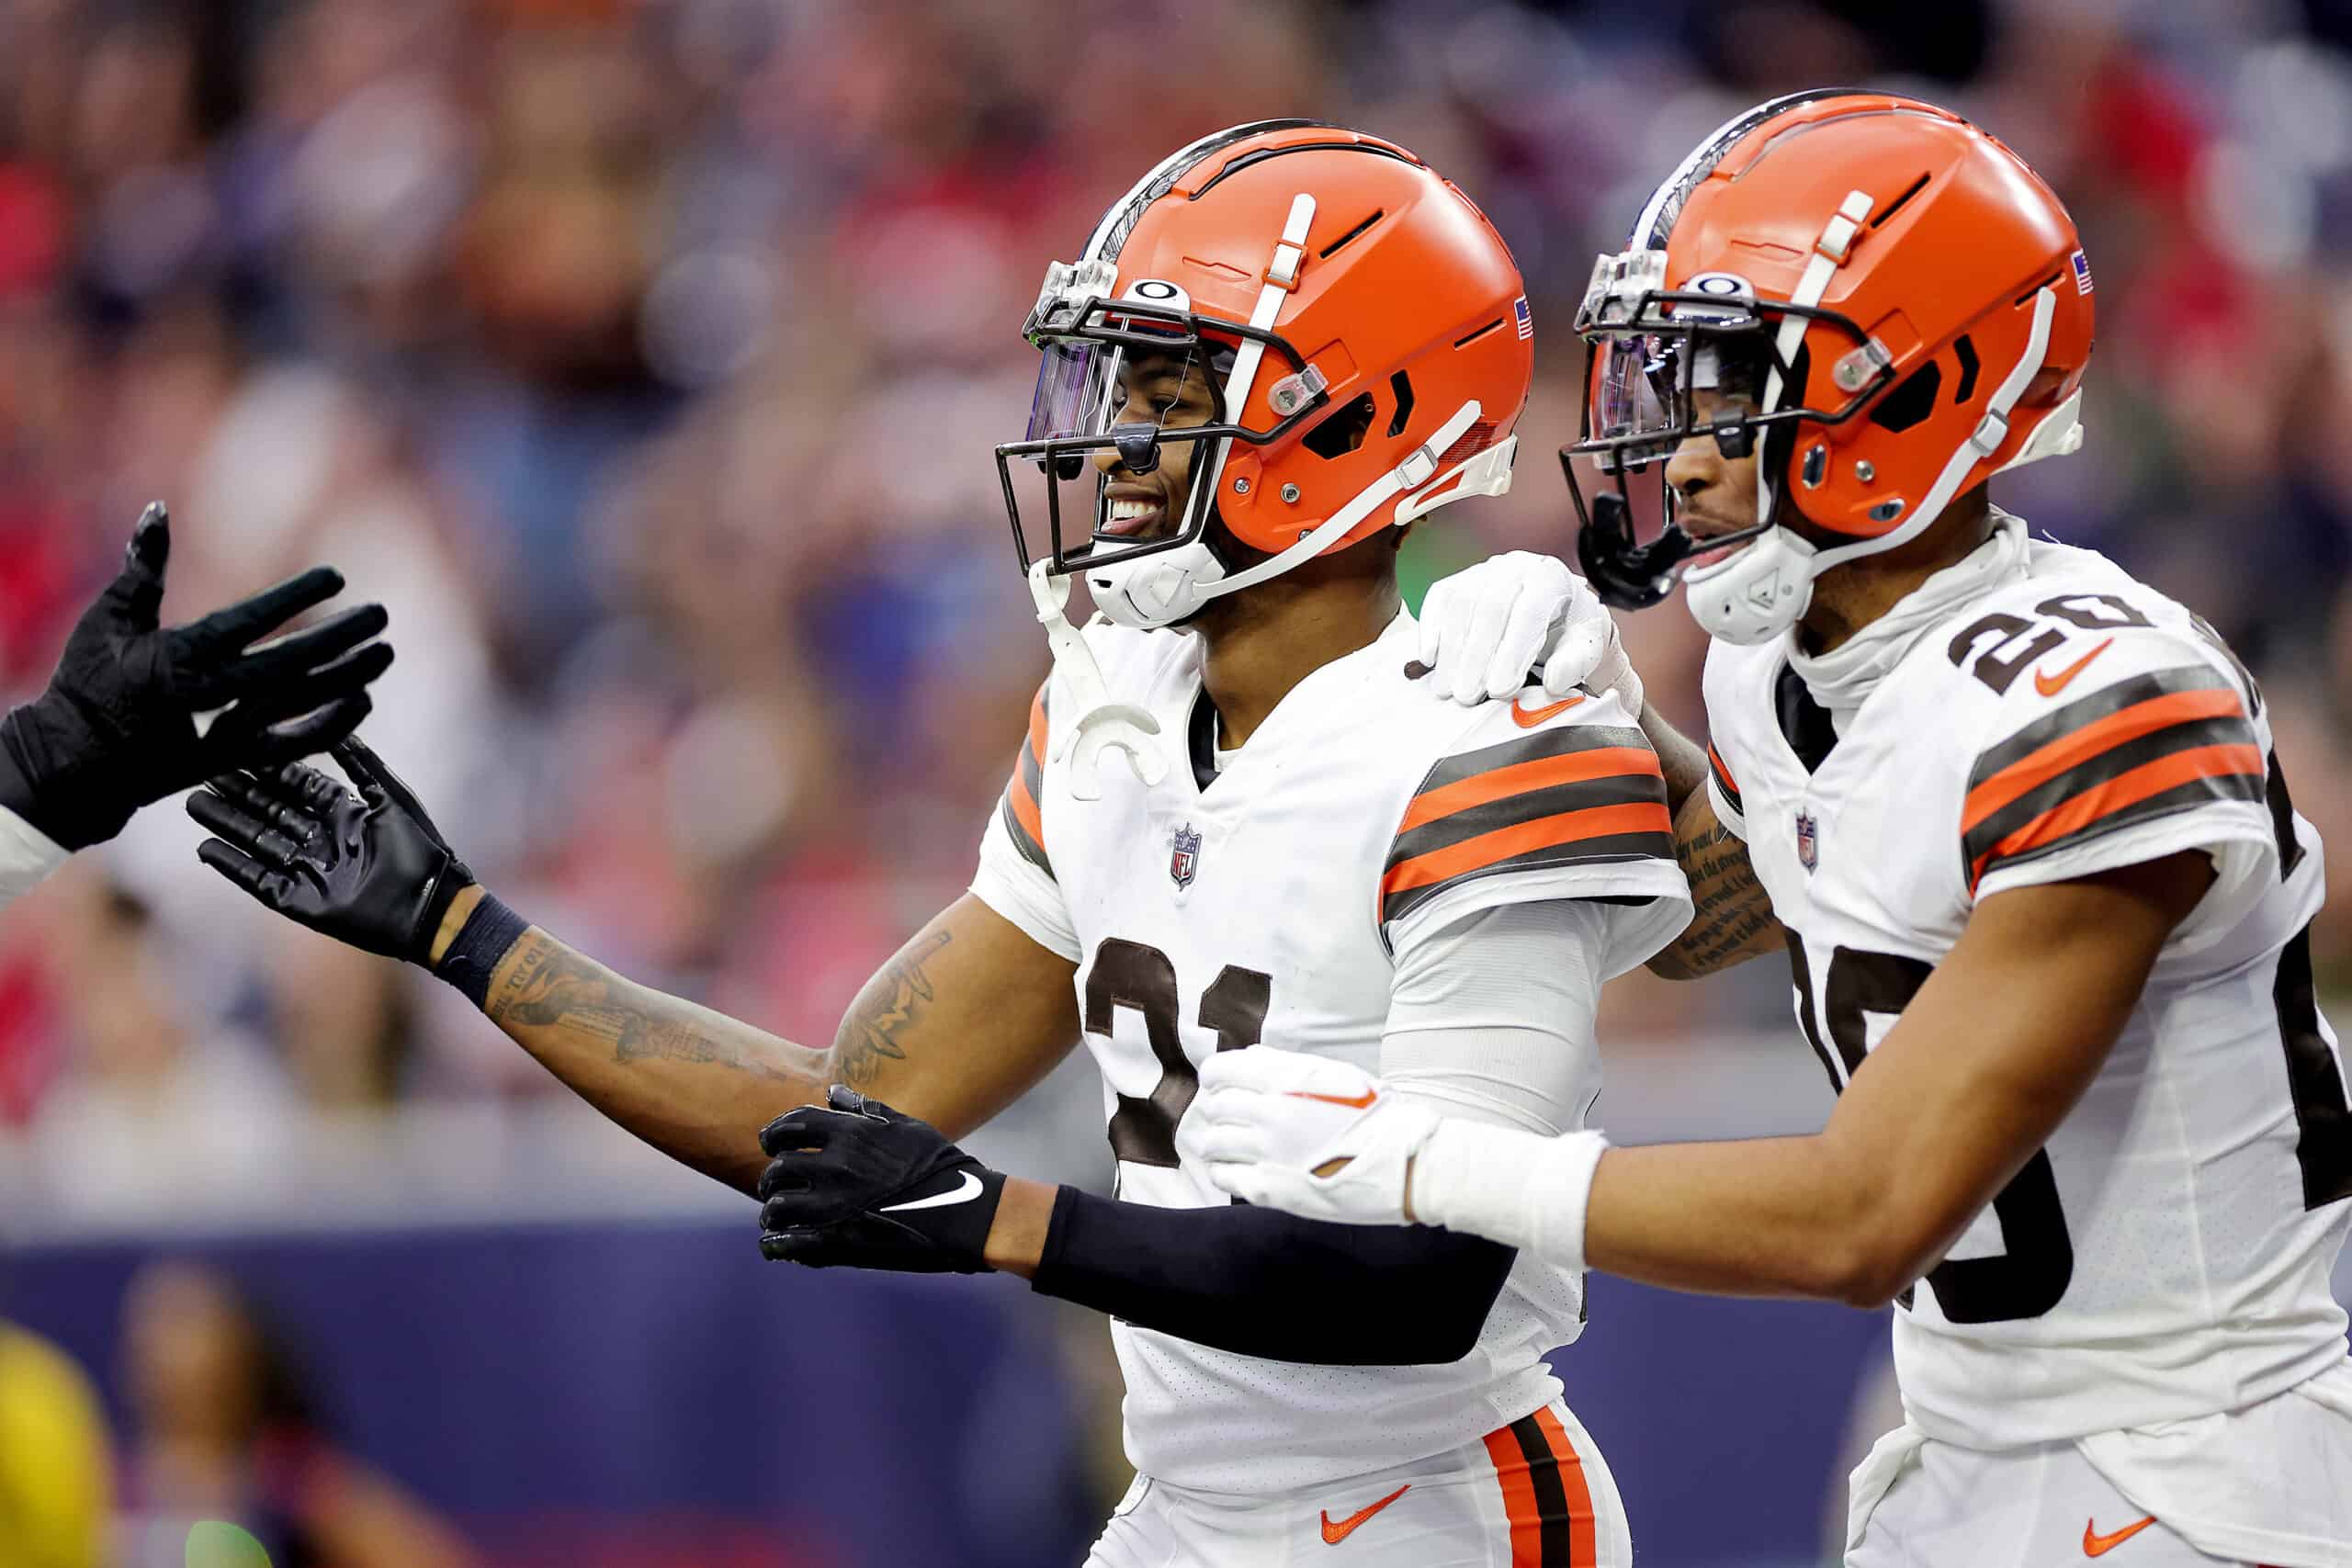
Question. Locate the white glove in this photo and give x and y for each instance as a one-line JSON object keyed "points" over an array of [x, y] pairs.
{"points": [[1484, 627], [1266, 1120]]}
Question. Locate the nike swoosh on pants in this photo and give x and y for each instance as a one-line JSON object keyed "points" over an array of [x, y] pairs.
{"points": [[1334, 1533], [2098, 1545]]}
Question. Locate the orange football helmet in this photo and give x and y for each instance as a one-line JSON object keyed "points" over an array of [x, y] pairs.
{"points": [[1907, 304], [1365, 330]]}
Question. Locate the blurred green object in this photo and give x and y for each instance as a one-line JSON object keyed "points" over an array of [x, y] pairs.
{"points": [[1429, 553], [212, 1543]]}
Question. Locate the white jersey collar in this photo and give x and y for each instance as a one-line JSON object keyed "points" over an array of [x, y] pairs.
{"points": [[1842, 679]]}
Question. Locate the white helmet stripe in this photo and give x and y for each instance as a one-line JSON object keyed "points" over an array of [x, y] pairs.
{"points": [[1829, 255]]}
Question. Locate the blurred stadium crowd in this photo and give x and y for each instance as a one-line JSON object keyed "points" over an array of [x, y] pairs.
{"points": [[645, 356]]}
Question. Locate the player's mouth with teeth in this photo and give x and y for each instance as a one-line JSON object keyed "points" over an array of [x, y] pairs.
{"points": [[1135, 515]]}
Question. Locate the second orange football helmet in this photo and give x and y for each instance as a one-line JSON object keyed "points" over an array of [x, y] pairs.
{"points": [[1909, 301]]}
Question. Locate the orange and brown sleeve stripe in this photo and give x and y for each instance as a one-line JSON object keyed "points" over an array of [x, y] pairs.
{"points": [[1577, 794], [1545, 1495], [1722, 779], [1022, 817], [2145, 748]]}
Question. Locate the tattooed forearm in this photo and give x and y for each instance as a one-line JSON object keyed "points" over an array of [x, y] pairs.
{"points": [[869, 1033], [1682, 759], [1731, 918], [548, 986]]}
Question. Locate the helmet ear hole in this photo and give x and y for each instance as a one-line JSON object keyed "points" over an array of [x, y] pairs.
{"points": [[1912, 402], [1341, 431]]}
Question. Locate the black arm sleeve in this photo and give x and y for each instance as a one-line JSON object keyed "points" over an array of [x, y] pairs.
{"points": [[1261, 1282]]}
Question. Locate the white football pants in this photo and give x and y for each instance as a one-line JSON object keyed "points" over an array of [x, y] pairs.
{"points": [[1535, 1493]]}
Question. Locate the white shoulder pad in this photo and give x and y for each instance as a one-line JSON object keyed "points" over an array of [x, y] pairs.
{"points": [[2118, 730]]}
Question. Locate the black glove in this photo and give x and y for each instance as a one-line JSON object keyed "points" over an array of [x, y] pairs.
{"points": [[370, 870], [854, 1182], [116, 730]]}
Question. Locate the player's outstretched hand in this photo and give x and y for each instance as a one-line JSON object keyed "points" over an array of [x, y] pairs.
{"points": [[368, 868], [1319, 1138], [854, 1183], [116, 730], [1487, 628]]}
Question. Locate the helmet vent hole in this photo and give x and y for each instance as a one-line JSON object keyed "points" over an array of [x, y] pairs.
{"points": [[2027, 297], [1402, 384], [1892, 208], [1378, 213], [1966, 351], [1494, 325], [1341, 432], [1912, 402]]}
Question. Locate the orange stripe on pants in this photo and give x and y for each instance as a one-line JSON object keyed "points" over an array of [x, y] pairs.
{"points": [[1518, 1499], [1522, 1507]]}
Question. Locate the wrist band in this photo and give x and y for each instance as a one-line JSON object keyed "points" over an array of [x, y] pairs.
{"points": [[1514, 1187], [489, 932]]}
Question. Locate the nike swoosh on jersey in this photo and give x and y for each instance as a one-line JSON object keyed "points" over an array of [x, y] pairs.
{"points": [[1528, 718], [1334, 1533], [2051, 686], [2098, 1545], [1358, 1103], [964, 1193]]}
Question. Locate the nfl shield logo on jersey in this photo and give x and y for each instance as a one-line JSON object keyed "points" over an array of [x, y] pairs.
{"points": [[1184, 855], [1808, 839]]}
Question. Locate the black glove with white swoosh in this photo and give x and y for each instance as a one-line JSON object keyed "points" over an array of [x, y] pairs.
{"points": [[853, 1183]]}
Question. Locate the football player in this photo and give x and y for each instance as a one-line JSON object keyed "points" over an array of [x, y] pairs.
{"points": [[1285, 344], [116, 727], [2017, 818]]}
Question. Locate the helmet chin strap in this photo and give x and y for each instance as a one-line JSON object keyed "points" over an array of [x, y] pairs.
{"points": [[1165, 587], [1195, 576], [1101, 724], [1418, 468]]}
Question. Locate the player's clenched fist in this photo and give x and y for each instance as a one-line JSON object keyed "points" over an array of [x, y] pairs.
{"points": [[116, 730], [853, 1182]]}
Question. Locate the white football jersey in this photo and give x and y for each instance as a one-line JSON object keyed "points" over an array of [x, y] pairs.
{"points": [[1269, 902], [2167, 1254]]}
